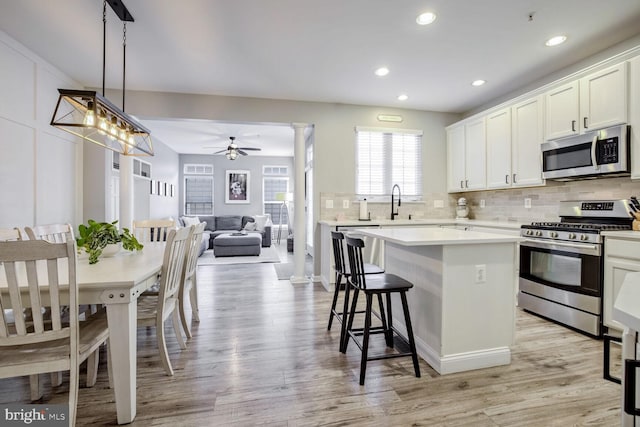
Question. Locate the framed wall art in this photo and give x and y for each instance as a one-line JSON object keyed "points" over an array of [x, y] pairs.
{"points": [[237, 186]]}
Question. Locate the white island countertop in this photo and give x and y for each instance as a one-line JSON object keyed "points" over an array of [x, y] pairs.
{"points": [[420, 236]]}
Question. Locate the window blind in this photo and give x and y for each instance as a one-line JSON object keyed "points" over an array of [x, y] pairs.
{"points": [[385, 157]]}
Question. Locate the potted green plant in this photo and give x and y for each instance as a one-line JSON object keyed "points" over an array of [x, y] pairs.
{"points": [[96, 236]]}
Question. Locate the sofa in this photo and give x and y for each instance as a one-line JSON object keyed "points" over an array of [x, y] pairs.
{"points": [[223, 224]]}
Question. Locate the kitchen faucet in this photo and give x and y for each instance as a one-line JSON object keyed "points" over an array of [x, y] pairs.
{"points": [[394, 214]]}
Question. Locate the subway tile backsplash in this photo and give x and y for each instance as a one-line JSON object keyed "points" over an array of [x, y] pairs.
{"points": [[500, 205]]}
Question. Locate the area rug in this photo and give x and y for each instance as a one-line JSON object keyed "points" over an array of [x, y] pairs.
{"points": [[266, 255]]}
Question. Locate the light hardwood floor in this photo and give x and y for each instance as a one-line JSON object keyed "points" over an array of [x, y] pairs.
{"points": [[261, 355]]}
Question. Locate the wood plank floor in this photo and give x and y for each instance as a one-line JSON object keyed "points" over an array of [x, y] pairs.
{"points": [[261, 355]]}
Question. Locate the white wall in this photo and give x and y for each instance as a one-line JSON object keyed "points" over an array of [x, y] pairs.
{"points": [[40, 166], [221, 164]]}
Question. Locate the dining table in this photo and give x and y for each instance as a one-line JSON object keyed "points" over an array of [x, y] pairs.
{"points": [[117, 282]]}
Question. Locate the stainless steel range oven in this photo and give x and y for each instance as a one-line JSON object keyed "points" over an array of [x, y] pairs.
{"points": [[561, 263]]}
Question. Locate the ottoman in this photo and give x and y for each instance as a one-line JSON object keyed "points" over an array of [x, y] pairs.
{"points": [[237, 244]]}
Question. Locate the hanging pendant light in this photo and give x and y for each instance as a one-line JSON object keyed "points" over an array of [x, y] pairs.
{"points": [[90, 116]]}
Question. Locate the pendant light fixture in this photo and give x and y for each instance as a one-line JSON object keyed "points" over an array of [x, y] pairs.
{"points": [[90, 116]]}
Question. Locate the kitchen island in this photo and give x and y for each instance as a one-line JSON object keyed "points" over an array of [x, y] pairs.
{"points": [[462, 304]]}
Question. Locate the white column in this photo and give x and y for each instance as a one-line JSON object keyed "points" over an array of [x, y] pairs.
{"points": [[299, 235], [126, 192]]}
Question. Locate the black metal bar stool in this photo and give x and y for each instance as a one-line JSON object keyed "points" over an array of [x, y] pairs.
{"points": [[342, 271], [379, 284]]}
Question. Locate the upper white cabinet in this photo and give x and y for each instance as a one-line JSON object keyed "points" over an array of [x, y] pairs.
{"points": [[466, 156], [499, 149], [514, 135], [527, 133], [594, 102], [634, 115]]}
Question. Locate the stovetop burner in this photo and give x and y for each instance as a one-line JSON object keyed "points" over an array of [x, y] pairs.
{"points": [[582, 226]]}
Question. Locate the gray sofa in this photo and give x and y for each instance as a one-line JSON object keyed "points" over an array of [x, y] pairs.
{"points": [[217, 225]]}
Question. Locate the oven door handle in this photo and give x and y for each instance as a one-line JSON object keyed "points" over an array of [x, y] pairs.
{"points": [[594, 160], [581, 248]]}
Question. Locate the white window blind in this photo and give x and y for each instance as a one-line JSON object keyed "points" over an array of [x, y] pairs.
{"points": [[198, 189], [385, 157]]}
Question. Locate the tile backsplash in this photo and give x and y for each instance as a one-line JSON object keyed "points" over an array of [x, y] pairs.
{"points": [[499, 205]]}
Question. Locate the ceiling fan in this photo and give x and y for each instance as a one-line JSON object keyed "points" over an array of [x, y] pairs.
{"points": [[233, 150]]}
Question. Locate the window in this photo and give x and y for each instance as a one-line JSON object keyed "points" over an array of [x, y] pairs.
{"points": [[198, 189], [275, 187], [385, 157]]}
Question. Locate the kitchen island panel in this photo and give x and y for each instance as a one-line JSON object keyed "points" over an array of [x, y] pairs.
{"points": [[458, 324]]}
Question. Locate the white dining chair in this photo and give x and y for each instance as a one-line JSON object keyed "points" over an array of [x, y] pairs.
{"points": [[55, 233], [152, 230], [153, 310], [30, 345], [59, 233], [189, 281]]}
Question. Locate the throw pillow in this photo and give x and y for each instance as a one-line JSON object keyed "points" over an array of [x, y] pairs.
{"points": [[190, 220], [261, 220], [250, 226]]}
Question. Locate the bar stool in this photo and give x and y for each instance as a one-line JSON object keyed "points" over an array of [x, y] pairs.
{"points": [[380, 284], [342, 271]]}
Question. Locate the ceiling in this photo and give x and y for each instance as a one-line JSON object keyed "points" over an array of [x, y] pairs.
{"points": [[323, 50]]}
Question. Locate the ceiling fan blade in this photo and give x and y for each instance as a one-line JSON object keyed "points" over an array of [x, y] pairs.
{"points": [[241, 152], [221, 151], [250, 148]]}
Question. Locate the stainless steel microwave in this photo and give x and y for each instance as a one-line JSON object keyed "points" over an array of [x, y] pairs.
{"points": [[600, 153]]}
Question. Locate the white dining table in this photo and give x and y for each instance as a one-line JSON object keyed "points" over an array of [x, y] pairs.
{"points": [[117, 282]]}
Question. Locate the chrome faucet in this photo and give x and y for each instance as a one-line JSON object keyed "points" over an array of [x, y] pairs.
{"points": [[394, 214]]}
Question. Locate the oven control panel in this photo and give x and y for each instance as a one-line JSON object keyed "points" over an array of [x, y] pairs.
{"points": [[597, 206], [562, 235]]}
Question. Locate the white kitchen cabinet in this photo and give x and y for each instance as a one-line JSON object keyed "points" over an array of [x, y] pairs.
{"points": [[499, 149], [476, 154], [622, 256], [456, 174], [634, 115], [593, 102], [527, 133], [514, 135], [466, 156]]}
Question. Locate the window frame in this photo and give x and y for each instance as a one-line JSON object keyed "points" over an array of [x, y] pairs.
{"points": [[391, 165], [191, 171]]}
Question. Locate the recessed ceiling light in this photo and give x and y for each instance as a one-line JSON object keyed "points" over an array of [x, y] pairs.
{"points": [[478, 82], [403, 97], [426, 18], [554, 41], [382, 71]]}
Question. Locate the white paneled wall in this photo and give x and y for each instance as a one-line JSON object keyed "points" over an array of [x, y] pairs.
{"points": [[39, 165]]}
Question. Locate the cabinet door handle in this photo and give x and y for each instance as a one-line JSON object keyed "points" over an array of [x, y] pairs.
{"points": [[514, 178], [506, 179], [573, 125], [461, 184], [466, 183], [584, 123]]}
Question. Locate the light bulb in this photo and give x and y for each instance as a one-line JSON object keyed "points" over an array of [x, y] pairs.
{"points": [[103, 126], [90, 115], [113, 129]]}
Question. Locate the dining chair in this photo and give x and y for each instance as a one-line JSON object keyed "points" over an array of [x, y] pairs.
{"points": [[154, 310], [55, 233], [32, 345], [152, 230], [189, 282], [9, 234], [59, 233]]}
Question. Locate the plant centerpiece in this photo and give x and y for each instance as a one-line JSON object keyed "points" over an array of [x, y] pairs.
{"points": [[96, 236]]}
